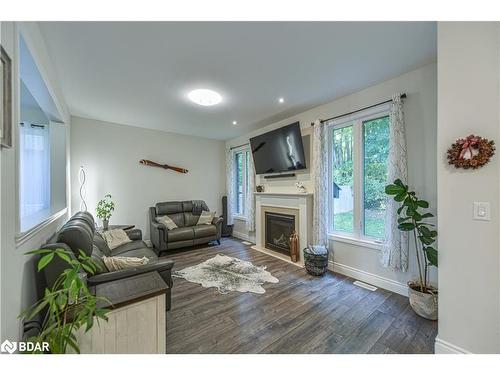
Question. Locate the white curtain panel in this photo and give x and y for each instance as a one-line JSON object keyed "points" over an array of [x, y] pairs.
{"points": [[320, 178], [230, 185], [34, 158], [395, 248], [250, 198]]}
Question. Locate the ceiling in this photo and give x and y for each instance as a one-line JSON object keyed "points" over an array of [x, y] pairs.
{"points": [[139, 73]]}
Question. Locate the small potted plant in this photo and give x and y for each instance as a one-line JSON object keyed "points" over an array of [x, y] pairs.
{"points": [[423, 296], [104, 209]]}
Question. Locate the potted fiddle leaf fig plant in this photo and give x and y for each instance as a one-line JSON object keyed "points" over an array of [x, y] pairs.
{"points": [[412, 219], [67, 306], [105, 208]]}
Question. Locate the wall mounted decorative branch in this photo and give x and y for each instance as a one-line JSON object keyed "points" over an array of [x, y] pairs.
{"points": [[164, 166]]}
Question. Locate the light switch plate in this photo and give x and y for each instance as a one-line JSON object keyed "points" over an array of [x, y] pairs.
{"points": [[482, 211]]}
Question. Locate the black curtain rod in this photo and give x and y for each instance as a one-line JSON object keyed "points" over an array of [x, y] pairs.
{"points": [[244, 144], [403, 96], [34, 125]]}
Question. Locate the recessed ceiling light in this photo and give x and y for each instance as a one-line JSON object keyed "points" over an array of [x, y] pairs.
{"points": [[235, 122], [205, 97], [281, 100]]}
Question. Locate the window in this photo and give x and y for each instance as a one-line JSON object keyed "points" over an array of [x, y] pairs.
{"points": [[241, 162], [359, 153], [41, 146]]}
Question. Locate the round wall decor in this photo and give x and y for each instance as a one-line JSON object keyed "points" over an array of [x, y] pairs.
{"points": [[471, 152]]}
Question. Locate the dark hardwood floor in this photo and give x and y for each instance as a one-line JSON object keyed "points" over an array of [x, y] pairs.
{"points": [[300, 314]]}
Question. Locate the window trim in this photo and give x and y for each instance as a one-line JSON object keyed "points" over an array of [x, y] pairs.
{"points": [[356, 120], [23, 237]]}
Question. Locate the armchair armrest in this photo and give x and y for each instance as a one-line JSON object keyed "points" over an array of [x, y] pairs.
{"points": [[162, 266], [134, 234], [158, 226], [217, 220]]}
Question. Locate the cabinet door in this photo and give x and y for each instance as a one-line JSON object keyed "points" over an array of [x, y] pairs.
{"points": [[139, 328]]}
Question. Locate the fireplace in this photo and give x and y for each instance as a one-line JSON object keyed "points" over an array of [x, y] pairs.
{"points": [[278, 228]]}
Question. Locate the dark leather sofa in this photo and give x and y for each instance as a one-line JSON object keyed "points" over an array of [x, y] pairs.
{"points": [[79, 234], [185, 215]]}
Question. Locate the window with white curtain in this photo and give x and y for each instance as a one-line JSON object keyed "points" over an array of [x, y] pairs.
{"points": [[359, 148], [41, 165], [241, 162]]}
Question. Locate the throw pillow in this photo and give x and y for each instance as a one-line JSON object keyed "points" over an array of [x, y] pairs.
{"points": [[115, 238], [167, 221], [206, 217], [123, 263]]}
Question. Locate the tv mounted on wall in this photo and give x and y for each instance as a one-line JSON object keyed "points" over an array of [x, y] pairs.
{"points": [[279, 150]]}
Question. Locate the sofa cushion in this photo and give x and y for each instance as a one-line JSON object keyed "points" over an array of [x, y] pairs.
{"points": [[204, 230], [139, 253], [101, 244], [134, 245], [178, 219], [187, 206], [180, 234], [167, 208], [190, 219], [78, 235], [97, 258]]}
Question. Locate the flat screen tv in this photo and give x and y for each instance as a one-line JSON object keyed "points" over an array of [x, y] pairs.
{"points": [[280, 150]]}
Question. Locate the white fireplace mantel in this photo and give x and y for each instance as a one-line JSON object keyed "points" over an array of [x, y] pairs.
{"points": [[301, 202], [285, 194]]}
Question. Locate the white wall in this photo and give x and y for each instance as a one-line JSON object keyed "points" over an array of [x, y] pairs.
{"points": [[421, 118], [468, 97], [17, 272], [111, 152]]}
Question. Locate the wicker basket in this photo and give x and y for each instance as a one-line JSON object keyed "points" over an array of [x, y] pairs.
{"points": [[316, 260]]}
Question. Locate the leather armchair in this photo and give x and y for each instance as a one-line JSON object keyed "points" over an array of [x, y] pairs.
{"points": [[185, 215]]}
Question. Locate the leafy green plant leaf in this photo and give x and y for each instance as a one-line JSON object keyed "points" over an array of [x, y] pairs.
{"points": [[46, 259], [423, 204], [432, 255], [406, 226]]}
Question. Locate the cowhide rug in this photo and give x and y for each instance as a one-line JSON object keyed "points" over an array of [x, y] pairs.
{"points": [[228, 274]]}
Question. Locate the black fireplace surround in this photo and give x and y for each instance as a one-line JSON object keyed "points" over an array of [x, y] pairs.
{"points": [[278, 228]]}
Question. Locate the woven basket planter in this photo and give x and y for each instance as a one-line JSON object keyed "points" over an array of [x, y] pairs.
{"points": [[316, 260]]}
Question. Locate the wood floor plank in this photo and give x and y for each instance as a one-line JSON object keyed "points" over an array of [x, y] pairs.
{"points": [[299, 314]]}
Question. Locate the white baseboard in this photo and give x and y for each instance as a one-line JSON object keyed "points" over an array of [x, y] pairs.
{"points": [[277, 255], [242, 236], [370, 278], [445, 347]]}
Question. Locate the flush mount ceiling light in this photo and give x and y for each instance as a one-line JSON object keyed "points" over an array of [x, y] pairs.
{"points": [[205, 97], [281, 100], [235, 122]]}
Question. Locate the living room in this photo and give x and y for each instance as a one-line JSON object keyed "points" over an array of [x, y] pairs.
{"points": [[220, 197]]}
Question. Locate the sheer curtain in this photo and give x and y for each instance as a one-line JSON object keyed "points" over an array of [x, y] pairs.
{"points": [[34, 179], [250, 197], [230, 185], [395, 248], [320, 178]]}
